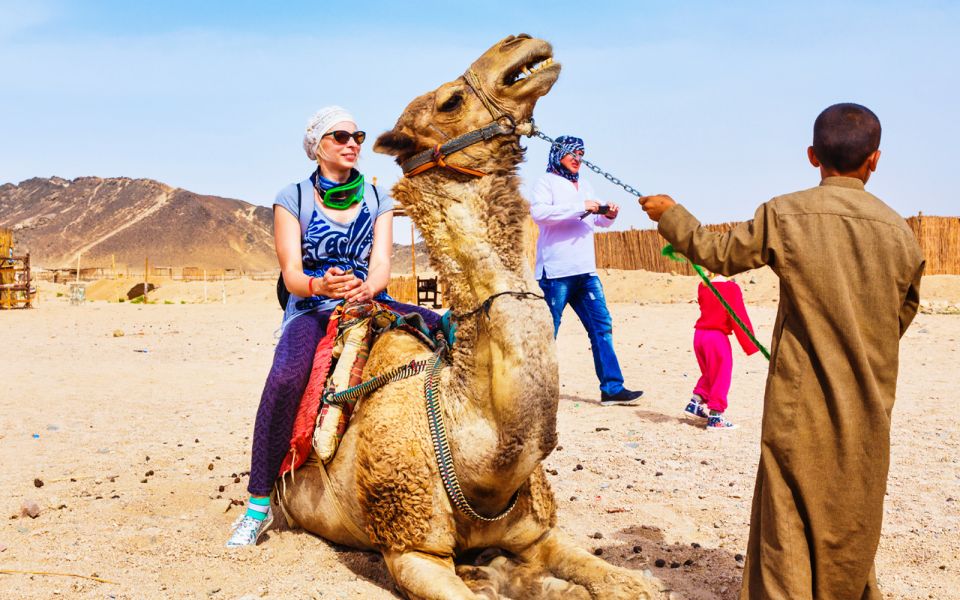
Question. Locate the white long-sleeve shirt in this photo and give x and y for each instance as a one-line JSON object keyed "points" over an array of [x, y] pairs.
{"points": [[565, 244]]}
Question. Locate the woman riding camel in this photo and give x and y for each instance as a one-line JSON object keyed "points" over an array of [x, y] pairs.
{"points": [[334, 239]]}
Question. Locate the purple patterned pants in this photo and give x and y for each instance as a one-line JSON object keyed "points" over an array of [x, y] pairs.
{"points": [[285, 384]]}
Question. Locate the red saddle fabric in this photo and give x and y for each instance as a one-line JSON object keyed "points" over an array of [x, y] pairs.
{"points": [[303, 425]]}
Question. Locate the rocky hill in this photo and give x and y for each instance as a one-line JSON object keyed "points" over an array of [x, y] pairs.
{"points": [[121, 221]]}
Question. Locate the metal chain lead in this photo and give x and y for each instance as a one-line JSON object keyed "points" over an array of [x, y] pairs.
{"points": [[630, 189]]}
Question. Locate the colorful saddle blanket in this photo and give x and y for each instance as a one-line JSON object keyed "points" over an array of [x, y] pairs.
{"points": [[337, 366]]}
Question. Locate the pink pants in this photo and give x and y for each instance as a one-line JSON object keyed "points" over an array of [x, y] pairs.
{"points": [[712, 348]]}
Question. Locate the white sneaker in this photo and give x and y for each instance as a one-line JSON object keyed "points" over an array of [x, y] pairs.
{"points": [[247, 530]]}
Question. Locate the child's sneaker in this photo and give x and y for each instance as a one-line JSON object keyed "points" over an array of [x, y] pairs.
{"points": [[717, 422], [695, 408]]}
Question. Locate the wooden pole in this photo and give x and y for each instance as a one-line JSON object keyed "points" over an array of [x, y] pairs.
{"points": [[26, 266], [78, 267], [204, 286], [146, 271], [413, 251]]}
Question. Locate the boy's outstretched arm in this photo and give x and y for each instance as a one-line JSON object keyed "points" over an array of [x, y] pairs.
{"points": [[747, 246]]}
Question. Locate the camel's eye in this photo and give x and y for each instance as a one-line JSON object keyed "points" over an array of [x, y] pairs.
{"points": [[452, 103]]}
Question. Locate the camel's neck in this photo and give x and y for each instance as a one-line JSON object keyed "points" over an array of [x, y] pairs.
{"points": [[504, 374]]}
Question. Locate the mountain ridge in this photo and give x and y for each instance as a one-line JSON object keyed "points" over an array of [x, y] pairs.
{"points": [[117, 222]]}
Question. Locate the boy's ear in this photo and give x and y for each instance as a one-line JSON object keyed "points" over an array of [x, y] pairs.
{"points": [[872, 160], [812, 157]]}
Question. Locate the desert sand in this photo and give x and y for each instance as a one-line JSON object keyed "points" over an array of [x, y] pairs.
{"points": [[139, 445]]}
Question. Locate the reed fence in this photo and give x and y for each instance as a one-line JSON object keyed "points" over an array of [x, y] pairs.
{"points": [[635, 249], [939, 239]]}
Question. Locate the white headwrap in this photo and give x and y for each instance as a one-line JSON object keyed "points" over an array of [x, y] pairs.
{"points": [[321, 123]]}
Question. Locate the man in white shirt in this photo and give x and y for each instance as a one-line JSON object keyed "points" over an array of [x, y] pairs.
{"points": [[566, 213]]}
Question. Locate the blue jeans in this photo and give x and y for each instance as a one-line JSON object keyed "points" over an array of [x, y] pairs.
{"points": [[585, 294]]}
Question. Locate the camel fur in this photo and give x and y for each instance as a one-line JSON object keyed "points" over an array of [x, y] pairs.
{"points": [[499, 391]]}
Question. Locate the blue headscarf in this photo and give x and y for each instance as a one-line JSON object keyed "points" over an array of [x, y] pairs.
{"points": [[562, 146]]}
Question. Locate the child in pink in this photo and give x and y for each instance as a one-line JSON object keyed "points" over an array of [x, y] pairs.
{"points": [[711, 344]]}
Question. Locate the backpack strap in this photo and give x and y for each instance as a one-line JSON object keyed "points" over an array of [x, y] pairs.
{"points": [[300, 216]]}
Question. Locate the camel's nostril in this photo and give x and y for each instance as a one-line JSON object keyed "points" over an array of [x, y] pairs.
{"points": [[513, 39]]}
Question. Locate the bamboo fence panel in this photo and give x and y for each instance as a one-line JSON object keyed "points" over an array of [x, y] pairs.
{"points": [[939, 239], [639, 249], [636, 249], [7, 272], [403, 288]]}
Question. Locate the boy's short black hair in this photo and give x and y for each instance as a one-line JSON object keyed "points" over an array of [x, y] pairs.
{"points": [[845, 135]]}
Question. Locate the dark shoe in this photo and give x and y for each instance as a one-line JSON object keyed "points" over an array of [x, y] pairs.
{"points": [[717, 422], [624, 397], [695, 408]]}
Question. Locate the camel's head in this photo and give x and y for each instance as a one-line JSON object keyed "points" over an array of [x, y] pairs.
{"points": [[514, 74]]}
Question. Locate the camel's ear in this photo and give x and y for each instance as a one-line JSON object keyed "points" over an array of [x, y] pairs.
{"points": [[395, 143]]}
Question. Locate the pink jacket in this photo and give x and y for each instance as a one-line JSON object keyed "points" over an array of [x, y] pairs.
{"points": [[714, 316]]}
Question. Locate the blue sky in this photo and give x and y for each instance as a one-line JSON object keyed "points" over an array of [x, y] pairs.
{"points": [[711, 102]]}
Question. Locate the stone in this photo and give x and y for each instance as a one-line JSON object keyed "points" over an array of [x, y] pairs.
{"points": [[30, 508]]}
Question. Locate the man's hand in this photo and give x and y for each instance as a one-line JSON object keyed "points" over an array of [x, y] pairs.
{"points": [[655, 206], [612, 211], [591, 206]]}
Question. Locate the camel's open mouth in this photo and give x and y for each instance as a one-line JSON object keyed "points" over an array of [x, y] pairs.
{"points": [[527, 70]]}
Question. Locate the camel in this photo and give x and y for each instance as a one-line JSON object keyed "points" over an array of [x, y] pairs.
{"points": [[499, 388]]}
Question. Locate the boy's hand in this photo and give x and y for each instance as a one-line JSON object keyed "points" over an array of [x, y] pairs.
{"points": [[655, 206]]}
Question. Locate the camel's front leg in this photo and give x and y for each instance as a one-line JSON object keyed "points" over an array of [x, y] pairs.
{"points": [[566, 561], [422, 576]]}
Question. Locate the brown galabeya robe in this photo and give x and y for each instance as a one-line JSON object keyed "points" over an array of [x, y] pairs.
{"points": [[849, 270]]}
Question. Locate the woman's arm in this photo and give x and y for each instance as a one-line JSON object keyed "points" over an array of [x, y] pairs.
{"points": [[286, 239], [379, 274], [545, 212]]}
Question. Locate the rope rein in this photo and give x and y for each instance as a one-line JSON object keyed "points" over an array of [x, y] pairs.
{"points": [[441, 446], [351, 395], [485, 305]]}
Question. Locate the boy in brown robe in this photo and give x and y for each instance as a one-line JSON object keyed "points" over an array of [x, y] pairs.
{"points": [[849, 270]]}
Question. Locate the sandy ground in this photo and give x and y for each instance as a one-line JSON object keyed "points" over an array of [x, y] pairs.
{"points": [[141, 443]]}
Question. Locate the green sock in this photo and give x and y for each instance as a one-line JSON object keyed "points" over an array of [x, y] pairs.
{"points": [[257, 507]]}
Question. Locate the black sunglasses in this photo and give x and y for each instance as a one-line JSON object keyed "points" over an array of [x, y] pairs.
{"points": [[342, 137]]}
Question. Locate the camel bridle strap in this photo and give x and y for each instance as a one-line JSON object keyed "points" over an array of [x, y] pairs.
{"points": [[493, 107], [436, 156], [503, 124], [485, 305], [441, 445]]}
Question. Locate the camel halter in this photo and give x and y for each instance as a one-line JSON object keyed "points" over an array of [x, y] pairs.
{"points": [[503, 124]]}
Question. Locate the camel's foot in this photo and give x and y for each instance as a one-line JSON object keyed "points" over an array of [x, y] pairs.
{"points": [[599, 578], [421, 576], [508, 579]]}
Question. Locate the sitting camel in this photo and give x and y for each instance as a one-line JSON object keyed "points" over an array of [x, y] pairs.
{"points": [[498, 391]]}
